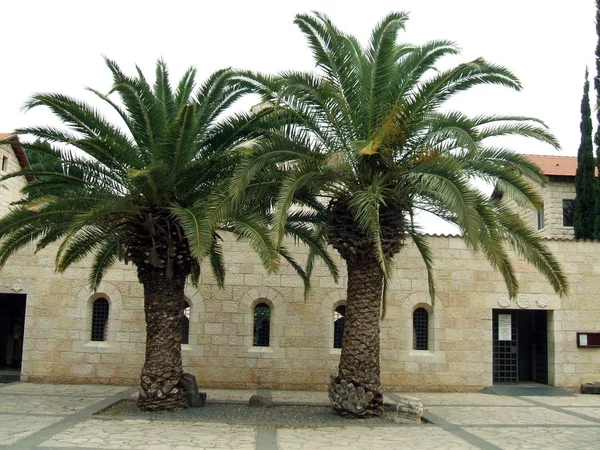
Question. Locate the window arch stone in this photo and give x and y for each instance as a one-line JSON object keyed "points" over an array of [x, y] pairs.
{"points": [[420, 329], [86, 299], [330, 302], [261, 335], [272, 298], [339, 322], [100, 317], [185, 322]]}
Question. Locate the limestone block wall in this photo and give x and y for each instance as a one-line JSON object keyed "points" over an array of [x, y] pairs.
{"points": [[9, 189], [58, 346], [553, 195]]}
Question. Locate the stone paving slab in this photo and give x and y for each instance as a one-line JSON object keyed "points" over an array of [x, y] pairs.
{"points": [[153, 435], [588, 411], [84, 390], [488, 415], [41, 404], [578, 400], [465, 398], [15, 427], [356, 437], [37, 416], [540, 438]]}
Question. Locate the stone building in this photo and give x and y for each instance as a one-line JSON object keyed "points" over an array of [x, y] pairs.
{"points": [[260, 331], [555, 218]]}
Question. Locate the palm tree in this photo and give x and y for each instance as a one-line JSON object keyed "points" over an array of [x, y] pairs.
{"points": [[146, 189], [371, 135]]}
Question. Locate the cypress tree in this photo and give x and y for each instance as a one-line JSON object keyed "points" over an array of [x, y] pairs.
{"points": [[597, 135], [585, 181]]}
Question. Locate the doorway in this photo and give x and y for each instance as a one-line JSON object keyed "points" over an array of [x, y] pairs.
{"points": [[12, 327], [520, 346]]}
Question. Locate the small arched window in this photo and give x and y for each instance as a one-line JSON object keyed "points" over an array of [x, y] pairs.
{"points": [[262, 325], [420, 329], [185, 323], [99, 319], [339, 318]]}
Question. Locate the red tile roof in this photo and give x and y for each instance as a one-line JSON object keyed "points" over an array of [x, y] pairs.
{"points": [[565, 166]]}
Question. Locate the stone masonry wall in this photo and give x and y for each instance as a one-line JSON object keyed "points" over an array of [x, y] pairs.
{"points": [[553, 195], [58, 346], [9, 189]]}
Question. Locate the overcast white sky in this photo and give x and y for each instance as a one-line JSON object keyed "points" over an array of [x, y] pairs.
{"points": [[58, 46]]}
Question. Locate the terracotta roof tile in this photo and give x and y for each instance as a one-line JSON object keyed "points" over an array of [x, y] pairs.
{"points": [[565, 166], [6, 135]]}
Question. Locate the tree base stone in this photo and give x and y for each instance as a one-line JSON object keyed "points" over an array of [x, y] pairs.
{"points": [[591, 388], [195, 399], [258, 401], [353, 399], [409, 410]]}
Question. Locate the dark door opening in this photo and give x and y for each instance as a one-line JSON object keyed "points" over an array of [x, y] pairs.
{"points": [[12, 323], [520, 346]]}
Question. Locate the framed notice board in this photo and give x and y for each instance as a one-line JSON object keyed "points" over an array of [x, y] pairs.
{"points": [[588, 340]]}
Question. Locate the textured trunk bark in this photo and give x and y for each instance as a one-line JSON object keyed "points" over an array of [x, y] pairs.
{"points": [[356, 390], [161, 387]]}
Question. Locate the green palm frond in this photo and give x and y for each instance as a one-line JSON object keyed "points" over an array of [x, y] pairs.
{"points": [[104, 257], [217, 263], [422, 244], [146, 184], [368, 127], [253, 227], [528, 245]]}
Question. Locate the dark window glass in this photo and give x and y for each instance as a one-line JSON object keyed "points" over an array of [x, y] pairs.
{"points": [[540, 218], [262, 325], [185, 324], [420, 329], [4, 163], [99, 319], [338, 326], [568, 212]]}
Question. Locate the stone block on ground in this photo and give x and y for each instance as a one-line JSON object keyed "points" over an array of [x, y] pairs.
{"points": [[195, 398], [409, 410], [258, 401], [591, 388]]}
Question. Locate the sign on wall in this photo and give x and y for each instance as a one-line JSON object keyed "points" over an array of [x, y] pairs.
{"points": [[504, 327], [589, 340]]}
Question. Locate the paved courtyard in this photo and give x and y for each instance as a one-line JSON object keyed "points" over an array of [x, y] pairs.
{"points": [[45, 416]]}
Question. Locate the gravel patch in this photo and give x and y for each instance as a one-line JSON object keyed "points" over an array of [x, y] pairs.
{"points": [[292, 416]]}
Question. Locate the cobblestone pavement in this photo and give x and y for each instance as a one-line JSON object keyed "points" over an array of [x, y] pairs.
{"points": [[45, 416]]}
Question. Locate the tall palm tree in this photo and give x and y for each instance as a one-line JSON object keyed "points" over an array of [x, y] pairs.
{"points": [[145, 189], [370, 135]]}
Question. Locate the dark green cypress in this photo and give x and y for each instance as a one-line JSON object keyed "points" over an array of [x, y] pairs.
{"points": [[585, 181], [596, 234]]}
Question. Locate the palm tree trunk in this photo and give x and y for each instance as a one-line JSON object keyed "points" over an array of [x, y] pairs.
{"points": [[356, 390], [161, 386]]}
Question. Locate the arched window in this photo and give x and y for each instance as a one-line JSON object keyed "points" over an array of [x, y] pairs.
{"points": [[99, 319], [339, 317], [262, 325], [420, 329], [185, 323]]}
